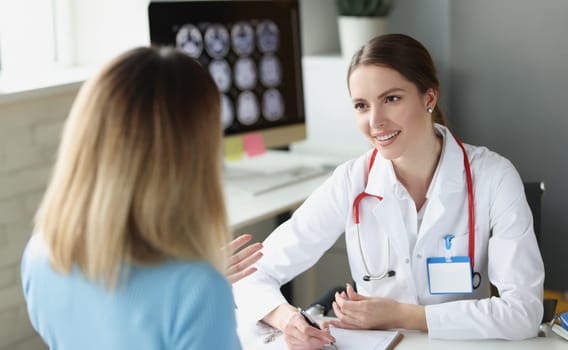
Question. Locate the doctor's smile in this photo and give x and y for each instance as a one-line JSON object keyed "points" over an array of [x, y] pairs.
{"points": [[383, 138]]}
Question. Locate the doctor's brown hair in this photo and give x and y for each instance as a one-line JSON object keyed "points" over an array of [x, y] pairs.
{"points": [[405, 55], [137, 178]]}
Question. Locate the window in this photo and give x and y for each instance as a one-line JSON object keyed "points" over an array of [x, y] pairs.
{"points": [[45, 43], [26, 35]]}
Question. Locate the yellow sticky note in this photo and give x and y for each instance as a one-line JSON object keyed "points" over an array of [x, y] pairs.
{"points": [[254, 144], [233, 148]]}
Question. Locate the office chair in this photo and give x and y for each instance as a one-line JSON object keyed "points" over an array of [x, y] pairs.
{"points": [[533, 192]]}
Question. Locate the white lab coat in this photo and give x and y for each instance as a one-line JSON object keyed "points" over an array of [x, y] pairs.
{"points": [[506, 251]]}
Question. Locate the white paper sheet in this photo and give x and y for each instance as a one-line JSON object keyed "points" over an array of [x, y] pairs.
{"points": [[348, 339]]}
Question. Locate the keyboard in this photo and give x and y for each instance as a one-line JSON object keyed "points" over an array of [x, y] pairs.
{"points": [[258, 181]]}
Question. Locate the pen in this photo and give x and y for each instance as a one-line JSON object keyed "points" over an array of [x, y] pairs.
{"points": [[309, 319], [312, 323]]}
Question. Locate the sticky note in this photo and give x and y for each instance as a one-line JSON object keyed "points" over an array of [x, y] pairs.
{"points": [[254, 144], [233, 148]]}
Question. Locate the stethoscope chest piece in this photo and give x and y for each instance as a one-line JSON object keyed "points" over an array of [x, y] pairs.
{"points": [[476, 280]]}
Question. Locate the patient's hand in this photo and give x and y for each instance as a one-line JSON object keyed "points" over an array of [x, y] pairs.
{"points": [[240, 262]]}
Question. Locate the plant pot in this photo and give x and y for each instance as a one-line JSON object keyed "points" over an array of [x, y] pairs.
{"points": [[354, 32]]}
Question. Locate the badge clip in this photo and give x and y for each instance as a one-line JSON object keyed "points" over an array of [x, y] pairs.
{"points": [[448, 240]]}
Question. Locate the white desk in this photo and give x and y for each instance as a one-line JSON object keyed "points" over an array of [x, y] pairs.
{"points": [[419, 340], [412, 340]]}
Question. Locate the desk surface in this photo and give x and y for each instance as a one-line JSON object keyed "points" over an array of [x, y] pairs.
{"points": [[419, 340], [414, 340], [244, 208]]}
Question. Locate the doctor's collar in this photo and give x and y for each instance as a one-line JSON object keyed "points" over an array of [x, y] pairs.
{"points": [[433, 182], [381, 178]]}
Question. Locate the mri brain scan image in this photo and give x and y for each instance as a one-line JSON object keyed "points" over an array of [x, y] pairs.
{"points": [[268, 36], [189, 39], [220, 70], [247, 108], [245, 73], [270, 71], [217, 41], [242, 36], [272, 105]]}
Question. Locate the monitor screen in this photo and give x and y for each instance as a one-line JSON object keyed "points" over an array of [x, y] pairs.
{"points": [[252, 51]]}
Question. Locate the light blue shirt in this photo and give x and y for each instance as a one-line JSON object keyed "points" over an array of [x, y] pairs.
{"points": [[174, 305]]}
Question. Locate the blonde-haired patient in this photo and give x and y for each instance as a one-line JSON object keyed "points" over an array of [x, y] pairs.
{"points": [[127, 248]]}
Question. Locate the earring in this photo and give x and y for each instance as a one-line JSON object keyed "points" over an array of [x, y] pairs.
{"points": [[429, 109]]}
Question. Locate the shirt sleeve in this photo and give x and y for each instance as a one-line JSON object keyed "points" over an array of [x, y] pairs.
{"points": [[34, 255], [205, 315], [294, 247], [515, 268]]}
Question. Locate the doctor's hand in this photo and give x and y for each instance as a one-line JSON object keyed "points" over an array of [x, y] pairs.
{"points": [[240, 263], [298, 334], [356, 311]]}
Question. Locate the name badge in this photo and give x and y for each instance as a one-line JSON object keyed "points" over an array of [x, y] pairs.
{"points": [[449, 274]]}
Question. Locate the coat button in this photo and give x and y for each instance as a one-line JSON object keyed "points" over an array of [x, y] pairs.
{"points": [[407, 260], [419, 256]]}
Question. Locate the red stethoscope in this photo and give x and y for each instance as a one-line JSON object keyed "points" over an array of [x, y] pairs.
{"points": [[390, 273]]}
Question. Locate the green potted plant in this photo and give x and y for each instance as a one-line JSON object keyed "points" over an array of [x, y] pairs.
{"points": [[359, 21]]}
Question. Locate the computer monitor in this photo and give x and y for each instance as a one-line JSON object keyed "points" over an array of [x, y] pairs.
{"points": [[252, 50]]}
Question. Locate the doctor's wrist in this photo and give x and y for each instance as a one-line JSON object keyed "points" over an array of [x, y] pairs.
{"points": [[411, 316], [279, 317]]}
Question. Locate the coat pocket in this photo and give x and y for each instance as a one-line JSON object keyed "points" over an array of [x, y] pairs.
{"points": [[459, 245]]}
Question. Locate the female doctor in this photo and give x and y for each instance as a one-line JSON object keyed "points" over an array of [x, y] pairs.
{"points": [[429, 222]]}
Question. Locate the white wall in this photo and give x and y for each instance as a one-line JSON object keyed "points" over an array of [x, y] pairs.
{"points": [[330, 118], [105, 28], [509, 73], [319, 27]]}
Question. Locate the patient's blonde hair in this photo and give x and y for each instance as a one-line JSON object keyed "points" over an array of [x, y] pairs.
{"points": [[137, 178]]}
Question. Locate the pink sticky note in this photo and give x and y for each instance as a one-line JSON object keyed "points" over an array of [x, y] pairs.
{"points": [[254, 144]]}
